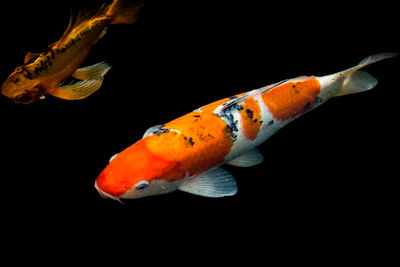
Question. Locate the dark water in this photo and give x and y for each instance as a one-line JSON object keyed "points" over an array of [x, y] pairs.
{"points": [[333, 171]]}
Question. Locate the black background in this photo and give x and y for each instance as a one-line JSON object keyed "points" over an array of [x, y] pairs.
{"points": [[329, 176]]}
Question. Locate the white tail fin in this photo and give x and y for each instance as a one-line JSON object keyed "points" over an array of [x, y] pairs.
{"points": [[359, 81]]}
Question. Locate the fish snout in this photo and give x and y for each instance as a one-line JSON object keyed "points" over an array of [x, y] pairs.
{"points": [[101, 190]]}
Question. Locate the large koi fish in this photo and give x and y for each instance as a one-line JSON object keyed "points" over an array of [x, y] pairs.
{"points": [[187, 153]]}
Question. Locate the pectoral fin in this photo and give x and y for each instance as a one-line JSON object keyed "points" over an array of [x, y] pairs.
{"points": [[92, 72], [216, 182], [79, 90], [251, 158]]}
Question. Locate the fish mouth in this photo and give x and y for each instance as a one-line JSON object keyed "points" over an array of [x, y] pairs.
{"points": [[105, 194]]}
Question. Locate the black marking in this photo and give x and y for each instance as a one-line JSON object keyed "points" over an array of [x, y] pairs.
{"points": [[196, 116], [190, 141], [270, 122], [161, 130], [249, 113], [226, 113], [232, 97], [255, 120]]}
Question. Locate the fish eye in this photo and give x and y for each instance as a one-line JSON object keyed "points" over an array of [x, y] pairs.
{"points": [[22, 98], [18, 69], [142, 185]]}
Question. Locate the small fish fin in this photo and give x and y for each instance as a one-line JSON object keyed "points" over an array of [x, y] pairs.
{"points": [[30, 56], [77, 91], [269, 87], [251, 158], [151, 130], [112, 157], [92, 72], [216, 182], [230, 103], [359, 81], [102, 34], [71, 24], [123, 12]]}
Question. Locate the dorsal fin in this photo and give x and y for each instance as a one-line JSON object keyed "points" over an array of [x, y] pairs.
{"points": [[77, 24], [269, 87], [235, 100], [30, 56], [71, 24]]}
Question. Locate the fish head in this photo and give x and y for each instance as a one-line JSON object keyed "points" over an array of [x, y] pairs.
{"points": [[20, 88], [137, 172]]}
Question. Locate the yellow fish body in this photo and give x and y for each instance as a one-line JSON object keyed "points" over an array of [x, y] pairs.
{"points": [[42, 73]]}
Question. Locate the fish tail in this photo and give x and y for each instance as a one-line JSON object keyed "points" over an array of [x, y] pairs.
{"points": [[123, 12], [356, 80]]}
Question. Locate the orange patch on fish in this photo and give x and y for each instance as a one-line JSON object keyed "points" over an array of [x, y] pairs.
{"points": [[292, 98], [251, 117], [198, 140], [136, 159]]}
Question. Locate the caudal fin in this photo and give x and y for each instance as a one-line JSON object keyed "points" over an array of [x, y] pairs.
{"points": [[123, 12], [357, 80]]}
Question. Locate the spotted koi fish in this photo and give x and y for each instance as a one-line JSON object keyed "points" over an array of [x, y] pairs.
{"points": [[187, 152], [43, 73]]}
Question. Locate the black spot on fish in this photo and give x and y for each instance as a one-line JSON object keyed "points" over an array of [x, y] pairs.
{"points": [[161, 130], [227, 115], [189, 140], [230, 131], [196, 116], [255, 120], [270, 122], [249, 113]]}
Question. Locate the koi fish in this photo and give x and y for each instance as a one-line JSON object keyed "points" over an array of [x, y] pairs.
{"points": [[43, 73], [187, 153]]}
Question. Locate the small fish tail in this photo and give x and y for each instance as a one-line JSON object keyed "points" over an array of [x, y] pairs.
{"points": [[123, 12], [356, 80]]}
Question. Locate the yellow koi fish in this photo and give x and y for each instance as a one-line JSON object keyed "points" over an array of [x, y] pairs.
{"points": [[43, 73], [187, 153]]}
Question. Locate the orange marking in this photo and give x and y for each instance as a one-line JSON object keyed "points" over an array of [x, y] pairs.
{"points": [[292, 98], [199, 140], [134, 164], [251, 117]]}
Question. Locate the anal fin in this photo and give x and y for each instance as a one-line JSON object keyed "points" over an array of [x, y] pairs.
{"points": [[79, 90], [251, 158], [92, 72], [216, 182]]}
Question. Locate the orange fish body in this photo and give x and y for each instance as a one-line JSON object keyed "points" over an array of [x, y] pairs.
{"points": [[42, 73], [187, 152]]}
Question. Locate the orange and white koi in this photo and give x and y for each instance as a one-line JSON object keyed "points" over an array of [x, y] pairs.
{"points": [[187, 152], [43, 73]]}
